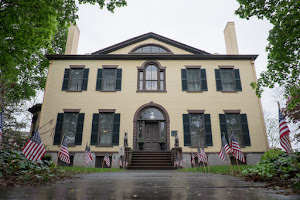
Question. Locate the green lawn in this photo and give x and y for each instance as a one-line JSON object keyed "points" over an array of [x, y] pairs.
{"points": [[78, 170], [216, 169]]}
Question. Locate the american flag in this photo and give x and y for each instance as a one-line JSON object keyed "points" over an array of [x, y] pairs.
{"points": [[181, 162], [203, 156], [224, 150], [176, 163], [64, 152], [235, 148], [114, 160], [34, 149], [193, 159], [284, 133], [106, 159], [126, 163], [199, 154], [120, 162], [1, 124], [87, 155]]}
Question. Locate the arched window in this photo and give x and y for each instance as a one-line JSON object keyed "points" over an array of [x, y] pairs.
{"points": [[150, 48], [151, 78]]}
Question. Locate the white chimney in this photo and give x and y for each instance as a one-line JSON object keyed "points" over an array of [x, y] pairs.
{"points": [[230, 39], [72, 40]]}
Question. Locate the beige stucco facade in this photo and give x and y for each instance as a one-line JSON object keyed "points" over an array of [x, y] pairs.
{"points": [[175, 101]]}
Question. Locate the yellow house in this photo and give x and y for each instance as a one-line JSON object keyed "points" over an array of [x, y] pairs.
{"points": [[152, 88]]}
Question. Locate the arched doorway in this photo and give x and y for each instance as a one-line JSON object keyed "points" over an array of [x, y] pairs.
{"points": [[151, 124]]}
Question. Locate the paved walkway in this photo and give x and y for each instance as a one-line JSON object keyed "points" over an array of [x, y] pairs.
{"points": [[161, 185]]}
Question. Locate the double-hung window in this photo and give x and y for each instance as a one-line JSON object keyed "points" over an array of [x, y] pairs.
{"points": [[105, 129], [193, 79], [197, 130], [151, 77], [228, 79], [75, 78], [238, 125], [69, 125], [109, 79]]}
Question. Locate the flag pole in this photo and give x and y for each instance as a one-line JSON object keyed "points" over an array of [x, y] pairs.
{"points": [[208, 166], [204, 166], [238, 165], [102, 164], [230, 162], [194, 163], [84, 159]]}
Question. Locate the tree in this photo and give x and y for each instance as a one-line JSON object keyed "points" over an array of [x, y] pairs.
{"points": [[284, 44], [28, 30]]}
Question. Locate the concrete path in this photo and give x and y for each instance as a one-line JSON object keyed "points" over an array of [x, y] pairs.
{"points": [[161, 185]]}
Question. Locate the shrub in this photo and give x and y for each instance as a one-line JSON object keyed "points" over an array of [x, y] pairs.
{"points": [[272, 154]]}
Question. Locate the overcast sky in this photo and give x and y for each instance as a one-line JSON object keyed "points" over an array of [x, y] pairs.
{"points": [[198, 23]]}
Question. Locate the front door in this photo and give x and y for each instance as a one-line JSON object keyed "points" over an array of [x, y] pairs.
{"points": [[151, 136]]}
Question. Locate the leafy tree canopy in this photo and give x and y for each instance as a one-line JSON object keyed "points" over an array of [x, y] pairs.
{"points": [[28, 30], [284, 44]]}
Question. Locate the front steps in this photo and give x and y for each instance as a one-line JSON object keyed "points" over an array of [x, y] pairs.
{"points": [[159, 160]]}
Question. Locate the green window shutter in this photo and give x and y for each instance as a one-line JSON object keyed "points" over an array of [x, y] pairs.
{"points": [[85, 79], [95, 127], [65, 85], [184, 79], [79, 129], [119, 80], [99, 80], [186, 130], [245, 130], [203, 80], [207, 129], [218, 79], [223, 126], [116, 130], [58, 128], [238, 84]]}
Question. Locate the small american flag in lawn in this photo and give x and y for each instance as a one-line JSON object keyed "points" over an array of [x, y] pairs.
{"points": [[235, 148], [193, 159], [34, 149], [203, 156], [87, 155], [106, 159], [64, 152], [284, 133], [223, 152], [199, 154], [1, 124]]}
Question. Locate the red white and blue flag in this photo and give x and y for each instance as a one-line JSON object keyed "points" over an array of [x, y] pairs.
{"points": [[199, 154], [284, 133], [193, 159], [34, 149], [63, 154], [224, 150], [203, 156], [87, 156], [235, 148], [107, 160]]}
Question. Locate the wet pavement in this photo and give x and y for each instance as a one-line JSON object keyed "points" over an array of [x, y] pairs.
{"points": [[147, 185]]}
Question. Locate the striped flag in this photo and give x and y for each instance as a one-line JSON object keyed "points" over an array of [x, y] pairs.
{"points": [[87, 156], [284, 133], [235, 148], [63, 154], [176, 162], [126, 163], [106, 159], [199, 154], [203, 156], [193, 159], [34, 149], [114, 160], [1, 124], [181, 162], [224, 150]]}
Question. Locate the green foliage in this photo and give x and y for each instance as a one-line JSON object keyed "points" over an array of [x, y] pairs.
{"points": [[283, 170], [28, 31], [78, 170], [284, 44], [272, 154], [15, 168], [216, 169]]}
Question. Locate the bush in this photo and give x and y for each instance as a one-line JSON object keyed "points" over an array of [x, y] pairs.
{"points": [[272, 154], [281, 170]]}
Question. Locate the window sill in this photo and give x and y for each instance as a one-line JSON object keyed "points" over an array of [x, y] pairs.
{"points": [[73, 90], [107, 90], [104, 145], [71, 145], [201, 91], [197, 147], [159, 91], [229, 91]]}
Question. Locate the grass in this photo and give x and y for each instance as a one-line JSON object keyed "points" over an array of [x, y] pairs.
{"points": [[216, 169], [78, 170]]}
